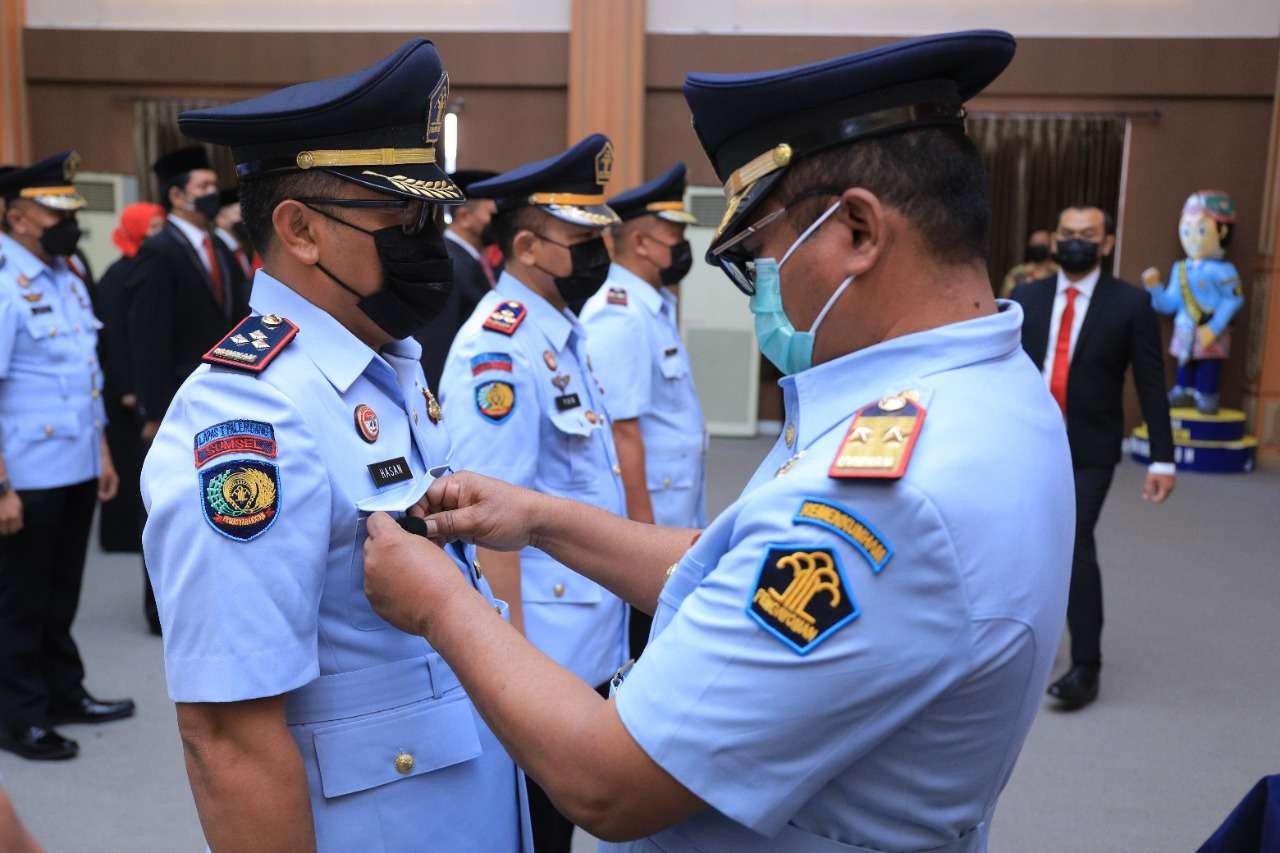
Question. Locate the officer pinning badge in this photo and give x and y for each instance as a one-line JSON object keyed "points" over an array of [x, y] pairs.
{"points": [[549, 359], [253, 344], [241, 498], [561, 381], [254, 437], [507, 317], [367, 423], [849, 526], [616, 296], [490, 361], [800, 596], [496, 400], [880, 439], [565, 402], [390, 471], [433, 406]]}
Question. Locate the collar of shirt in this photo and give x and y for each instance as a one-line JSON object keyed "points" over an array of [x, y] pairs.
{"points": [[340, 355], [1084, 285], [227, 237], [556, 325], [825, 395], [471, 250], [195, 236], [639, 289], [26, 263]]}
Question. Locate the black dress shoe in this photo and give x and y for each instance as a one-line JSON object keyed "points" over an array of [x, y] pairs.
{"points": [[90, 710], [38, 743], [1079, 687]]}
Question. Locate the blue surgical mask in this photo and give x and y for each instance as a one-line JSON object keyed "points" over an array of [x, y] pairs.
{"points": [[790, 351]]}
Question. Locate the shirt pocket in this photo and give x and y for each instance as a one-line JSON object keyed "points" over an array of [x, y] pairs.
{"points": [[51, 426], [47, 327], [571, 465], [670, 469], [391, 746], [548, 582]]}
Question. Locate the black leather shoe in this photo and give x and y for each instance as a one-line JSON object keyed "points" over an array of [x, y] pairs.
{"points": [[1079, 687], [38, 744], [90, 710]]}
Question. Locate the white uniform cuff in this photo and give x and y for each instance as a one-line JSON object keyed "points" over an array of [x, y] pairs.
{"points": [[1164, 468]]}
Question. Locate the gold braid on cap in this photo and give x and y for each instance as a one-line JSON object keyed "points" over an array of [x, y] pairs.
{"points": [[364, 157]]}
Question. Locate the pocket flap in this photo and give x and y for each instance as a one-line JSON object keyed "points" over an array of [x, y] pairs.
{"points": [[394, 745], [669, 470], [52, 425], [552, 583], [573, 421], [673, 366]]}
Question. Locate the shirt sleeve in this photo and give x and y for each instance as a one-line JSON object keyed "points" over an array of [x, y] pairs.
{"points": [[727, 706], [622, 360], [492, 410], [8, 331], [236, 546]]}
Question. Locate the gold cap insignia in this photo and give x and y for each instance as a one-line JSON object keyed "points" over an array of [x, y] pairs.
{"points": [[604, 164], [70, 166], [436, 109]]}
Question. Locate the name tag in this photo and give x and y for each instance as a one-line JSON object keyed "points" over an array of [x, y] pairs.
{"points": [[567, 401], [390, 471], [42, 309]]}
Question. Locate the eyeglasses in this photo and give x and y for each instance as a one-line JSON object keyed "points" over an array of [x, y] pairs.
{"points": [[737, 262], [414, 214]]}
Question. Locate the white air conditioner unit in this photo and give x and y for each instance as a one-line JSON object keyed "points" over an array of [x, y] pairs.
{"points": [[105, 195], [718, 329]]}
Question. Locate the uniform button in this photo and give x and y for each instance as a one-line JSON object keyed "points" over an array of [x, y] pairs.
{"points": [[48, 430], [53, 331], [617, 469], [95, 393], [666, 482], [789, 436], [558, 589], [404, 763]]}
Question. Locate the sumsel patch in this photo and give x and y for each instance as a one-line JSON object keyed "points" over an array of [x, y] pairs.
{"points": [[237, 436]]}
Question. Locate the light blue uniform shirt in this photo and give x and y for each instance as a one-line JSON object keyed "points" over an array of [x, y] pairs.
{"points": [[51, 412], [897, 729], [563, 449], [643, 366], [284, 612], [1215, 285]]}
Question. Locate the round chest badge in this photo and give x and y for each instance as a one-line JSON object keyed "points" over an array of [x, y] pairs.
{"points": [[367, 423]]}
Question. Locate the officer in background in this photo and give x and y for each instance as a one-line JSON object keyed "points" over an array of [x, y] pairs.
{"points": [[308, 722], [467, 236], [54, 461], [641, 361], [524, 405], [850, 657], [229, 226]]}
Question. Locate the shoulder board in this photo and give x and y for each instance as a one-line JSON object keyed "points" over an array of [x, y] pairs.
{"points": [[507, 317], [617, 296], [253, 344], [879, 442]]}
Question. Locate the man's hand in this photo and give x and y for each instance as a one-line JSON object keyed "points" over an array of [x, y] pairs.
{"points": [[1151, 277], [1157, 488], [1205, 336], [149, 430], [129, 401], [407, 577], [10, 514], [472, 508], [108, 480]]}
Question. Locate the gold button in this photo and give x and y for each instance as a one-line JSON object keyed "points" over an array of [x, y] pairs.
{"points": [[95, 393], [617, 469], [558, 589], [48, 430], [404, 763], [271, 321], [53, 331], [666, 482], [790, 435], [479, 571]]}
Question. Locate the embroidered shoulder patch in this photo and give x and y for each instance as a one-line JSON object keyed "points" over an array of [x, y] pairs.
{"points": [[849, 526], [496, 400], [801, 596], [880, 439], [241, 498], [617, 296], [490, 361], [235, 437], [253, 344], [507, 317]]}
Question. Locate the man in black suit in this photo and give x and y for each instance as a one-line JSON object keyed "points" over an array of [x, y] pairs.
{"points": [[466, 239], [185, 291], [1083, 328]]}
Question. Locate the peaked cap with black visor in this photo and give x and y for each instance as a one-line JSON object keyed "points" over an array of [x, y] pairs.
{"points": [[662, 197], [48, 182], [569, 186], [376, 127], [754, 127]]}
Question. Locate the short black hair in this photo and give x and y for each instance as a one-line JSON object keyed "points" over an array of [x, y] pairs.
{"points": [[179, 181], [260, 196], [509, 223], [932, 176], [1108, 221]]}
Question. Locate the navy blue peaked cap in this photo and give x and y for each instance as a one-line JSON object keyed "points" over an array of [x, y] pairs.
{"points": [[376, 127], [754, 126], [569, 186], [464, 178], [47, 182], [662, 197]]}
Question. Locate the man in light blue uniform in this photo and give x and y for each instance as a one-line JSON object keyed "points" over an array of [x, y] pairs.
{"points": [[851, 655], [54, 461], [523, 405], [309, 722], [642, 363]]}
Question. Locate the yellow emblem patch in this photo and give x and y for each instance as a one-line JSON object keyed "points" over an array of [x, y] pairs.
{"points": [[800, 596]]}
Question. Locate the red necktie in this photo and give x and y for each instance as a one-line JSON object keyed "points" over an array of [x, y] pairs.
{"points": [[215, 274], [1062, 351], [244, 262], [488, 271]]}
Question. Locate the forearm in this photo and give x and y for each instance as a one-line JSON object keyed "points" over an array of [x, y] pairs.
{"points": [[628, 558], [502, 568], [630, 445]]}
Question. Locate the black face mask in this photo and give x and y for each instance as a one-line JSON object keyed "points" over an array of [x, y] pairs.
{"points": [[60, 240], [590, 260], [1077, 256], [207, 205], [487, 237], [681, 263], [1037, 254], [417, 277]]}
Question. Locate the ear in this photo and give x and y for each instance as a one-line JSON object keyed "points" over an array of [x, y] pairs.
{"points": [[1108, 244], [868, 227], [295, 231], [522, 247], [175, 195]]}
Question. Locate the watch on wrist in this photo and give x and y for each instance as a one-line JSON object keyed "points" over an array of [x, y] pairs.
{"points": [[5, 487]]}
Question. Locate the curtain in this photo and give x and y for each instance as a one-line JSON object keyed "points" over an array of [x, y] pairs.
{"points": [[155, 132], [1037, 165]]}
